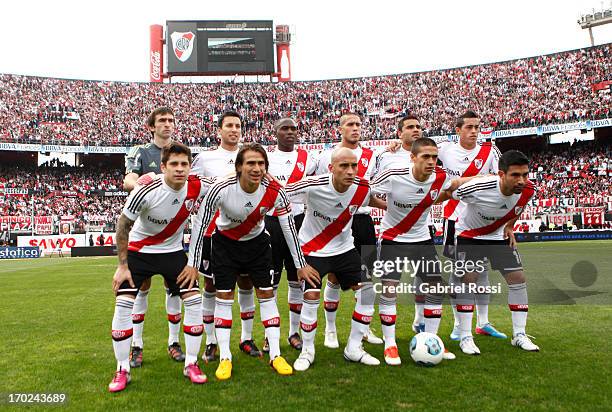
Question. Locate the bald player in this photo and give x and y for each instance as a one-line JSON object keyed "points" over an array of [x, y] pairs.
{"points": [[332, 201], [362, 227]]}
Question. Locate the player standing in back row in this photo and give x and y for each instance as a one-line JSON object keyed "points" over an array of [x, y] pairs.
{"points": [[466, 158], [288, 164]]}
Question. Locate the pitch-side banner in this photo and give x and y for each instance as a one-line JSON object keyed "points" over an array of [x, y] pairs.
{"points": [[52, 243]]}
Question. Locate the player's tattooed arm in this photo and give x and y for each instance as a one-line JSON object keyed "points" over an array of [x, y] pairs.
{"points": [[123, 231], [122, 274]]}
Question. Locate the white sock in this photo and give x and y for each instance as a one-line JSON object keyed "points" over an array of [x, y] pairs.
{"points": [[308, 322], [223, 326], [331, 299], [419, 302], [271, 321], [122, 330], [519, 306], [482, 300], [387, 309], [141, 304], [208, 316], [454, 281], [173, 309], [193, 328], [362, 316], [465, 314], [294, 297], [433, 313], [246, 301]]}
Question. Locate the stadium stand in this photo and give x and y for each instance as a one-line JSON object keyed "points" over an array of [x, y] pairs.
{"points": [[532, 91]]}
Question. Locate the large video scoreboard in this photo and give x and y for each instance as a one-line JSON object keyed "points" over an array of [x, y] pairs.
{"points": [[219, 47]]}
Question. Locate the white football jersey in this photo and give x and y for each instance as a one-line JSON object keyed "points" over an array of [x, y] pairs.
{"points": [[160, 214], [366, 163], [408, 203], [211, 163], [487, 209], [399, 159], [241, 215], [326, 230], [291, 167], [482, 159]]}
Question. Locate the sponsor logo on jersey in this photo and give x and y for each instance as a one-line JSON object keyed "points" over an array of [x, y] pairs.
{"points": [[466, 159], [402, 205], [231, 162], [300, 166], [182, 44], [248, 204], [484, 217], [453, 172], [153, 164], [339, 205], [281, 178], [233, 220], [434, 194], [321, 216], [189, 204], [504, 206], [478, 163], [420, 191], [176, 202], [288, 162], [157, 221]]}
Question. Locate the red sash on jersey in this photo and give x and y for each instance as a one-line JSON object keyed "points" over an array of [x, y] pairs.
{"points": [[472, 170], [267, 201], [364, 161], [527, 193], [414, 215], [297, 174], [212, 225], [193, 191], [333, 229]]}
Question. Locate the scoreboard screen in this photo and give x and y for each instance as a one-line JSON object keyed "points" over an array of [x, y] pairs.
{"points": [[220, 47]]}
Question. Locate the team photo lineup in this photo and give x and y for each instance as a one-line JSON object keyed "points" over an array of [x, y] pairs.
{"points": [[258, 214], [312, 206]]}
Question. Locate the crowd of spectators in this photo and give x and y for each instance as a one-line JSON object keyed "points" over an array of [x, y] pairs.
{"points": [[582, 171], [519, 93]]}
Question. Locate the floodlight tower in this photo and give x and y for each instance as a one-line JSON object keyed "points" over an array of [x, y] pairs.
{"points": [[596, 18]]}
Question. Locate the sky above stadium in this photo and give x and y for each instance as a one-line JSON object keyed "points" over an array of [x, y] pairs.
{"points": [[332, 39]]}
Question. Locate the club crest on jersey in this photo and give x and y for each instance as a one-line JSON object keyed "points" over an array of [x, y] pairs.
{"points": [[365, 162], [478, 163], [182, 44], [353, 209], [189, 203], [434, 194], [518, 210], [300, 166], [263, 210]]}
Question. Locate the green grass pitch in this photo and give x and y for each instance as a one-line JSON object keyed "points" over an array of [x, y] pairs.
{"points": [[55, 329]]}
